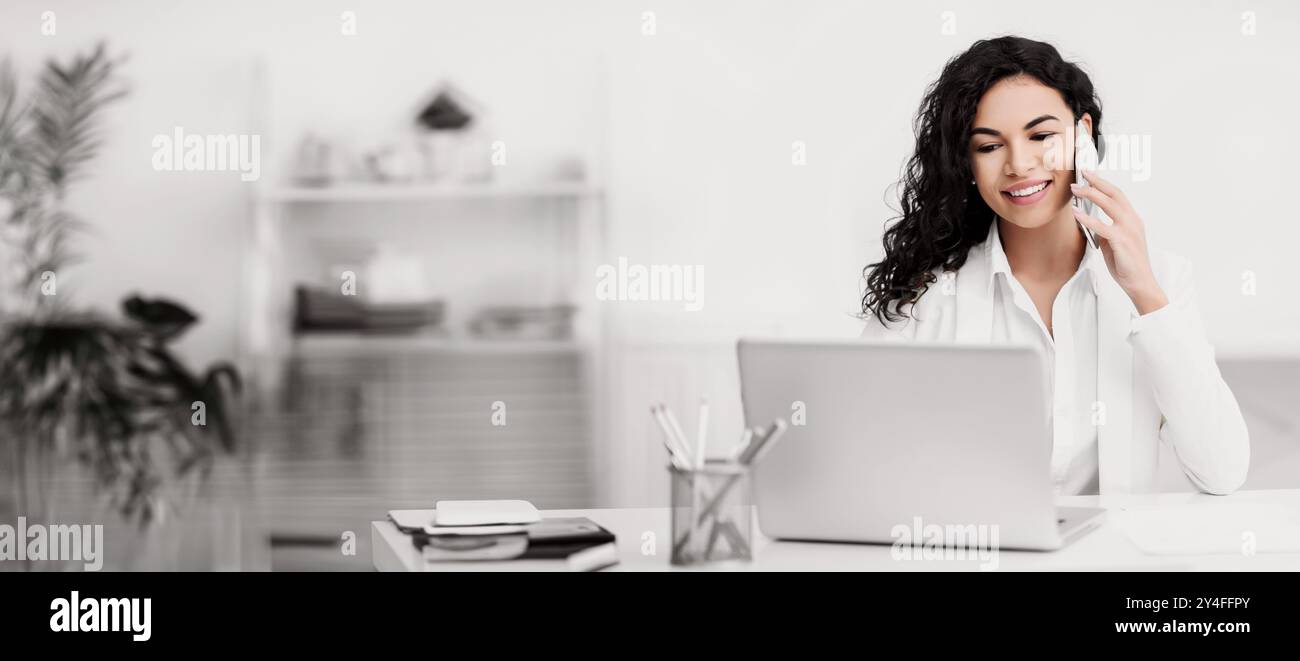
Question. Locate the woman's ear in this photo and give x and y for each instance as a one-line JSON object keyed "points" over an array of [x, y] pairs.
{"points": [[1087, 123]]}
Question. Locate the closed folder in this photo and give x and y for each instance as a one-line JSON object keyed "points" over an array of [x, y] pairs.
{"points": [[546, 539]]}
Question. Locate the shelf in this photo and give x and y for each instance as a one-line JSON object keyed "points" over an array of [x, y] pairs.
{"points": [[350, 344], [366, 192]]}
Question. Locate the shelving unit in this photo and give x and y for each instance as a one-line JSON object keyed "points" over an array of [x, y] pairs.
{"points": [[266, 343], [369, 422], [333, 344], [267, 339], [372, 422]]}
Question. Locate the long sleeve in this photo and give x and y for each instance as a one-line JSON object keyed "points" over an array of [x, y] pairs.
{"points": [[1202, 421]]}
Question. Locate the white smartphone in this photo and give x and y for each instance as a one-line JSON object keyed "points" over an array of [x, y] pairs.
{"points": [[1085, 158]]}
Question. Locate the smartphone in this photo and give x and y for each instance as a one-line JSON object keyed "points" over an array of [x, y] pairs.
{"points": [[1085, 158]]}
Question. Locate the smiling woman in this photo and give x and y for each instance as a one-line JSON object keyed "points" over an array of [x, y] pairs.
{"points": [[986, 203], [949, 191]]}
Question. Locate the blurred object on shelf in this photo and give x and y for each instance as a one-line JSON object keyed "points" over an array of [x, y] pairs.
{"points": [[449, 110], [463, 156], [403, 317], [339, 258], [390, 162], [524, 322], [319, 309], [438, 154], [451, 141], [454, 141], [315, 163], [394, 277]]}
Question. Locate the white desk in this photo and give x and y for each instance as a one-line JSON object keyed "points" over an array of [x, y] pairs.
{"points": [[1105, 548]]}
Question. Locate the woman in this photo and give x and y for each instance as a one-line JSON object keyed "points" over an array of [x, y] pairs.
{"points": [[989, 249]]}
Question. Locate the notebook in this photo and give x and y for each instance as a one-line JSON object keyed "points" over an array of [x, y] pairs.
{"points": [[558, 544]]}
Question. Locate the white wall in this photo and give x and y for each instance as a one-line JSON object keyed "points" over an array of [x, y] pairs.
{"points": [[700, 121], [696, 123], [705, 112]]}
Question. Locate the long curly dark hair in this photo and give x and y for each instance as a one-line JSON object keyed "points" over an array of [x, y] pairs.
{"points": [[942, 213]]}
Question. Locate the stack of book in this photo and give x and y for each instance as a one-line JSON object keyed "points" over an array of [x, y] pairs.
{"points": [[550, 544]]}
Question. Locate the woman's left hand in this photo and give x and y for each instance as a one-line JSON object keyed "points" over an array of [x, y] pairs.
{"points": [[1123, 242]]}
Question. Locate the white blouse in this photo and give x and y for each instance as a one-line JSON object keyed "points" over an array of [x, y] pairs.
{"points": [[1070, 362], [1197, 414]]}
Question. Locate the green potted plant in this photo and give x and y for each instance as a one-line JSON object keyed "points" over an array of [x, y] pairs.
{"points": [[102, 393]]}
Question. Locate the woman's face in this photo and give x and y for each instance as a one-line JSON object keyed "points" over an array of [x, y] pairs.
{"points": [[1022, 143]]}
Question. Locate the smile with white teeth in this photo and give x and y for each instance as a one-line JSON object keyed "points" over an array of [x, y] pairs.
{"points": [[1027, 191]]}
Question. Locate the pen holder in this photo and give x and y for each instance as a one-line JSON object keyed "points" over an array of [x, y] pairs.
{"points": [[711, 514]]}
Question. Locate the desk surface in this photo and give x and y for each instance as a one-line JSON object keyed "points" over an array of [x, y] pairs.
{"points": [[1106, 548]]}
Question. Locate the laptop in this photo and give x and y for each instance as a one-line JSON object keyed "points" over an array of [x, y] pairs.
{"points": [[885, 434]]}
